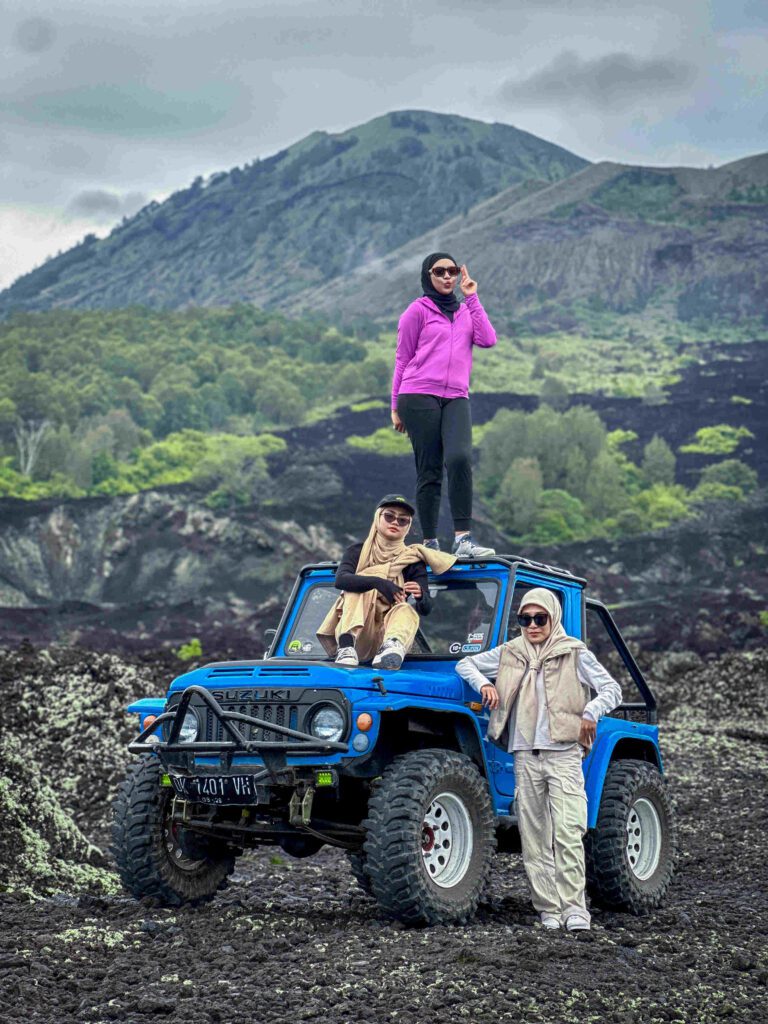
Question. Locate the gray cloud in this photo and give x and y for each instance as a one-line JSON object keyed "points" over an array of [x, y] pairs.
{"points": [[103, 206], [131, 110], [34, 35], [614, 82]]}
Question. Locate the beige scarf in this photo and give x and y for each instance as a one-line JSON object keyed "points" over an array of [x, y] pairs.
{"points": [[386, 559], [557, 643]]}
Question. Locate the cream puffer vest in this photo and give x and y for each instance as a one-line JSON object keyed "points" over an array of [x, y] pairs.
{"points": [[566, 695]]}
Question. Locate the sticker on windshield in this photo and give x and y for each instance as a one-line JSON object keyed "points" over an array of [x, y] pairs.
{"points": [[306, 647], [475, 638], [454, 648], [471, 648], [294, 645]]}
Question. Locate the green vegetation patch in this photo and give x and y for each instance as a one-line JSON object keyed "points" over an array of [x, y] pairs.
{"points": [[384, 441], [721, 439], [551, 477], [640, 192]]}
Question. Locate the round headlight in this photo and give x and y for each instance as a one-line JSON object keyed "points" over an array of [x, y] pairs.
{"points": [[189, 728], [327, 723]]}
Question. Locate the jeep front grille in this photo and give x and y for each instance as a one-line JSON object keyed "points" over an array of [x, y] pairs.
{"points": [[281, 714]]}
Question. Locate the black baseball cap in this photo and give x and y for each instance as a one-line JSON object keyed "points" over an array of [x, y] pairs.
{"points": [[396, 499]]}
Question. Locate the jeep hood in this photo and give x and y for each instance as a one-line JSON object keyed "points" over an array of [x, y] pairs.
{"points": [[437, 680]]}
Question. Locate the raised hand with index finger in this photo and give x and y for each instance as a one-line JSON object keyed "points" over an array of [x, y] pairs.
{"points": [[467, 285]]}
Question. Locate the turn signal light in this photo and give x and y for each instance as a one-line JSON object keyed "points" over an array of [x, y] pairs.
{"points": [[149, 720], [364, 722], [475, 705]]}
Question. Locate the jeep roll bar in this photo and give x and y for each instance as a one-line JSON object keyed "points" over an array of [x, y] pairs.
{"points": [[649, 703]]}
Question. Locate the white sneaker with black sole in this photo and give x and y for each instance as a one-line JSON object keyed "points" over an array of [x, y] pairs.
{"points": [[347, 656], [390, 655]]}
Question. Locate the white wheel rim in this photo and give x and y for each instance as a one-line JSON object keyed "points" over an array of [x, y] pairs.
{"points": [[446, 840], [643, 839]]}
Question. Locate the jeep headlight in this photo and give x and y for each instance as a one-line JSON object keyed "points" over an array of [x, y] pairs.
{"points": [[327, 723], [189, 728]]}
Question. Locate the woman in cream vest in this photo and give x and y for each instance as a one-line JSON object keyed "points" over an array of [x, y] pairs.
{"points": [[541, 711]]}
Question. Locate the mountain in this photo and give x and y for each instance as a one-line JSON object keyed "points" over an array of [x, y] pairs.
{"points": [[689, 243], [280, 227]]}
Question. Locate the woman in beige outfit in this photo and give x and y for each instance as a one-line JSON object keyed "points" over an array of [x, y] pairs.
{"points": [[541, 711], [372, 618]]}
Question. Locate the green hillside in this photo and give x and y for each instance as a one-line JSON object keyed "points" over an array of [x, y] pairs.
{"points": [[116, 402], [280, 227]]}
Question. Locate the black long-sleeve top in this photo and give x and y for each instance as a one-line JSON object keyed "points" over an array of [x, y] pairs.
{"points": [[348, 579]]}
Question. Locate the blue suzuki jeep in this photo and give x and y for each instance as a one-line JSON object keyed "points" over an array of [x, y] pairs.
{"points": [[394, 768]]}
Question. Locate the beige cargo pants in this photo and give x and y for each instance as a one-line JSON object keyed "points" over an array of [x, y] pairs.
{"points": [[552, 816]]}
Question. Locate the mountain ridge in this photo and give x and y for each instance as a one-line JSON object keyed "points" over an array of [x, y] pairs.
{"points": [[307, 213], [615, 236]]}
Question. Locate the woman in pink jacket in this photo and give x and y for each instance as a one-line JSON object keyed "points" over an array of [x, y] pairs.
{"points": [[430, 394]]}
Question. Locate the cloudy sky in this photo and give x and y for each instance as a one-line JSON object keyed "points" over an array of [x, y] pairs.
{"points": [[104, 106]]}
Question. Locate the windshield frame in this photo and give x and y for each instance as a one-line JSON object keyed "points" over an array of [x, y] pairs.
{"points": [[306, 584]]}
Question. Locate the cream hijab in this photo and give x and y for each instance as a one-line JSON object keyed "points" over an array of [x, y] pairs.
{"points": [[381, 556], [558, 642]]}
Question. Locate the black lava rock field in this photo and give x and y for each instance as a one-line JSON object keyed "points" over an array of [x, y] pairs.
{"points": [[297, 940]]}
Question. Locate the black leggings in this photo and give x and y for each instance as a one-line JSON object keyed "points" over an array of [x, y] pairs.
{"points": [[440, 430]]}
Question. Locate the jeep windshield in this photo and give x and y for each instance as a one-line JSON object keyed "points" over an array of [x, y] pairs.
{"points": [[460, 621]]}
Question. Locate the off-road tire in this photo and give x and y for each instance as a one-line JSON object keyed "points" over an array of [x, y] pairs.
{"points": [[397, 837], [612, 880], [154, 859], [356, 861]]}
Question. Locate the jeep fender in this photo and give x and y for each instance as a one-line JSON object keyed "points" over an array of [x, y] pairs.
{"points": [[617, 740], [411, 726]]}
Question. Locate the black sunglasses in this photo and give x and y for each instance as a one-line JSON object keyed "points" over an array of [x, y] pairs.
{"points": [[390, 517], [540, 618], [445, 271]]}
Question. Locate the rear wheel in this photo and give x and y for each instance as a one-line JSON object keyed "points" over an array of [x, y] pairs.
{"points": [[430, 838], [157, 857], [632, 851]]}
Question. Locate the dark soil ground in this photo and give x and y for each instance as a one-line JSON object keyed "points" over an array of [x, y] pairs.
{"points": [[298, 941]]}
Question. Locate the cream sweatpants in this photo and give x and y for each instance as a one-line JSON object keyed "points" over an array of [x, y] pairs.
{"points": [[552, 816]]}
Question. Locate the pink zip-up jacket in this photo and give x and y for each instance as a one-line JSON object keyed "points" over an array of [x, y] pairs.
{"points": [[434, 355]]}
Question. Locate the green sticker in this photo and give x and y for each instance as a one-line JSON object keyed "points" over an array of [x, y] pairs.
{"points": [[294, 645]]}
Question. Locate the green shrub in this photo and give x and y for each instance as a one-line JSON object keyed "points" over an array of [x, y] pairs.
{"points": [[384, 441], [731, 472], [714, 491], [373, 403], [661, 505], [190, 650], [718, 440]]}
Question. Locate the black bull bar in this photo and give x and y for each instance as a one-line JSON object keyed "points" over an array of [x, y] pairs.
{"points": [[273, 752]]}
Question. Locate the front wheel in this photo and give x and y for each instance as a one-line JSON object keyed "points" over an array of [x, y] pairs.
{"points": [[155, 856], [632, 851], [430, 838]]}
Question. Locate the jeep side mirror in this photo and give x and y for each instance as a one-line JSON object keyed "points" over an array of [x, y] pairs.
{"points": [[269, 636]]}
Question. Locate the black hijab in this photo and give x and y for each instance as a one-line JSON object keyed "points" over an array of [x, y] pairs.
{"points": [[447, 304]]}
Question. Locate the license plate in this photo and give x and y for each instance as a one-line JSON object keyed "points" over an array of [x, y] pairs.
{"points": [[216, 789]]}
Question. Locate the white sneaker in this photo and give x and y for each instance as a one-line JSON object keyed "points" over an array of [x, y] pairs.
{"points": [[465, 547], [390, 655], [550, 921], [347, 656], [577, 923]]}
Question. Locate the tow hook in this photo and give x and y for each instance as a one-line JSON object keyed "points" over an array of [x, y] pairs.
{"points": [[300, 807]]}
